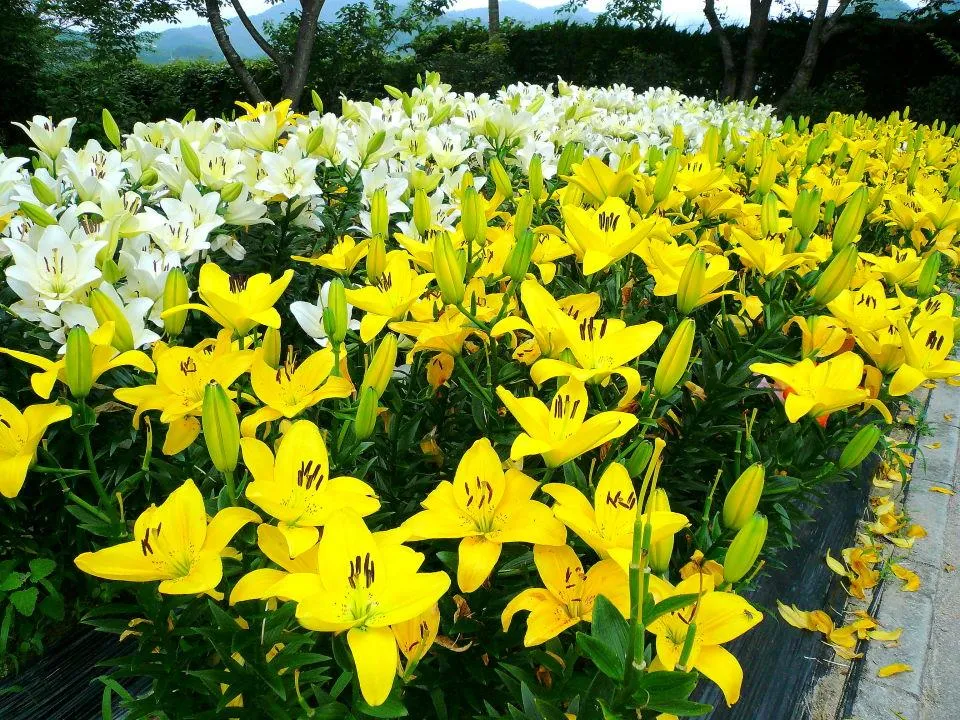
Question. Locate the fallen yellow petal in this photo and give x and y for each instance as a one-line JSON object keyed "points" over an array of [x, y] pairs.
{"points": [[948, 417], [893, 669], [955, 382], [929, 385], [795, 617], [882, 484], [911, 581], [942, 490], [886, 635], [836, 565], [933, 445], [905, 543], [917, 531]]}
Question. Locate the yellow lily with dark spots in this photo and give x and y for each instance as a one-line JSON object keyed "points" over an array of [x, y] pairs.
{"points": [[562, 431], [925, 353], [173, 543], [397, 289], [487, 508], [20, 434], [602, 236], [295, 487]]}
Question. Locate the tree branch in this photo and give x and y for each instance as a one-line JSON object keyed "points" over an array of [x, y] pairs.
{"points": [[307, 33], [229, 52], [260, 40], [834, 20], [726, 49]]}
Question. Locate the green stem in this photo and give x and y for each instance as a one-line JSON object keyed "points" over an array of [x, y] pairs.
{"points": [[73, 496], [639, 580], [460, 362], [473, 318], [231, 486], [95, 476]]}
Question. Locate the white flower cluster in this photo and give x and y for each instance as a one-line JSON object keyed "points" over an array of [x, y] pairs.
{"points": [[174, 192]]}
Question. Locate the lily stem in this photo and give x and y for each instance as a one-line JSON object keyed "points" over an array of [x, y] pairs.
{"points": [[95, 476], [231, 486]]}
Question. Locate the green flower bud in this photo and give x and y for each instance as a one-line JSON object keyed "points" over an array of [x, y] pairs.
{"points": [[37, 214], [769, 169], [449, 269], [523, 216], [572, 154], [637, 462], [110, 128], [500, 178], [473, 219], [105, 310], [189, 117], [190, 159], [673, 363], [381, 367], [928, 275], [317, 102], [661, 550], [335, 318], [837, 275], [314, 140], [742, 500], [79, 362], [850, 220], [690, 286], [231, 192], [535, 178], [859, 447], [111, 272], [806, 211], [148, 177], [518, 260], [221, 428], [366, 418], [745, 549], [379, 212], [270, 347], [42, 192], [422, 212], [376, 258], [666, 176], [175, 293], [769, 215], [376, 142]]}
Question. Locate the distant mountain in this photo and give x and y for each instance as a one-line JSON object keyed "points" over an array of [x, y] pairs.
{"points": [[197, 41]]}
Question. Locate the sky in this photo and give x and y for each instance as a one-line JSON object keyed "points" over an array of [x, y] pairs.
{"points": [[681, 12]]}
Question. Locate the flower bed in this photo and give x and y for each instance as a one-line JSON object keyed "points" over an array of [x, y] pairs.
{"points": [[360, 412]]}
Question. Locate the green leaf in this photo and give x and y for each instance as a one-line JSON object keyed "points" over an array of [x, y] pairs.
{"points": [[25, 600], [669, 605], [610, 628], [606, 660], [52, 607], [392, 708], [681, 708], [41, 567], [12, 581]]}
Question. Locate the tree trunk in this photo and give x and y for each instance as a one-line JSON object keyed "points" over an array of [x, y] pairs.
{"points": [[821, 29], [297, 78], [726, 50], [229, 52], [493, 17], [268, 49], [756, 34]]}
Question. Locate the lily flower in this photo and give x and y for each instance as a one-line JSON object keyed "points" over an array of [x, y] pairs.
{"points": [[256, 584], [446, 334], [599, 182], [487, 508], [390, 299], [342, 258], [416, 635], [604, 235], [867, 309], [237, 303], [716, 618], [818, 389], [290, 389], [568, 595], [104, 357], [821, 335], [173, 543], [310, 316], [295, 487], [768, 256], [561, 432], [20, 434], [364, 583], [607, 525], [925, 355]]}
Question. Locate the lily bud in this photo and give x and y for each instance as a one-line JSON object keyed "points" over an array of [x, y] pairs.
{"points": [[376, 142], [231, 191], [928, 275], [110, 271], [666, 176], [806, 212], [110, 128], [422, 211], [105, 310], [473, 220], [79, 362], [518, 260], [661, 550], [448, 269], [816, 147], [376, 258], [42, 192], [637, 462], [859, 447], [381, 367], [500, 178], [673, 363], [745, 549], [769, 214], [148, 177], [711, 145], [335, 318], [742, 500], [850, 220], [535, 178], [37, 214], [317, 102], [366, 418], [190, 159], [571, 155], [175, 293], [221, 428], [379, 213], [314, 140], [523, 216], [768, 172], [837, 275], [270, 347], [690, 287]]}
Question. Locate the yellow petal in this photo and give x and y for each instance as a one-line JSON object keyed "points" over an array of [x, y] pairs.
{"points": [[722, 667], [893, 669], [375, 654], [477, 558], [942, 490], [836, 565]]}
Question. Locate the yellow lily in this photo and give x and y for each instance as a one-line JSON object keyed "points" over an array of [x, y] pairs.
{"points": [[822, 336], [20, 434], [768, 256], [295, 487], [900, 267], [867, 309], [390, 299], [342, 258], [173, 544], [818, 389], [182, 376], [598, 182], [716, 618], [487, 508], [607, 525], [417, 635], [568, 595], [446, 334], [104, 357], [363, 584], [290, 389], [561, 432], [667, 275], [602, 236], [237, 303], [256, 584], [548, 248], [925, 353]]}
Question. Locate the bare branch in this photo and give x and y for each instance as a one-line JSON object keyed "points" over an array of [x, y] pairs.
{"points": [[230, 53], [726, 49], [260, 40]]}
